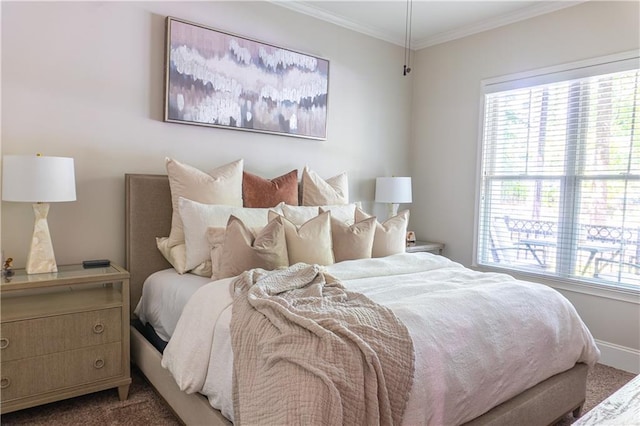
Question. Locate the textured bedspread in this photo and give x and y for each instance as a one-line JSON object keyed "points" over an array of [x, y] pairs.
{"points": [[479, 338], [307, 351]]}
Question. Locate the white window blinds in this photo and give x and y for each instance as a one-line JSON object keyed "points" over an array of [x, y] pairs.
{"points": [[560, 174]]}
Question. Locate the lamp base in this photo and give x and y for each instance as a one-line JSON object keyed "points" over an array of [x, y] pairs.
{"points": [[41, 259], [392, 210]]}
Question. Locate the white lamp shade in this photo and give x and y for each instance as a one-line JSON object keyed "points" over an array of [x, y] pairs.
{"points": [[393, 190], [30, 178]]}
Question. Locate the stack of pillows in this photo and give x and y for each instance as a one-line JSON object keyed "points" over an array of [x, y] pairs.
{"points": [[228, 221]]}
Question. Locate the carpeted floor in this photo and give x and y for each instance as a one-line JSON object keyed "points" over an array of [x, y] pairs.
{"points": [[145, 407]]}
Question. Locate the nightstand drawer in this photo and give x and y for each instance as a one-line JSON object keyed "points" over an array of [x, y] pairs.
{"points": [[33, 376], [47, 335]]}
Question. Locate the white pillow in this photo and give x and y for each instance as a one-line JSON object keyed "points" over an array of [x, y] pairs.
{"points": [[310, 242], [215, 237], [177, 258], [319, 192], [301, 214], [391, 235], [222, 185], [242, 249], [197, 217], [352, 241]]}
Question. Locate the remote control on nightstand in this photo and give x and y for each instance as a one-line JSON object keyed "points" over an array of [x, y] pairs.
{"points": [[96, 263]]}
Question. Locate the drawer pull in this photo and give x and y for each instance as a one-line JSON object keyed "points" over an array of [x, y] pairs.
{"points": [[98, 328], [4, 343], [5, 382], [98, 363]]}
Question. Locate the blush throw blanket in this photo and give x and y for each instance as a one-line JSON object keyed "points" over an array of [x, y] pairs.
{"points": [[307, 351]]}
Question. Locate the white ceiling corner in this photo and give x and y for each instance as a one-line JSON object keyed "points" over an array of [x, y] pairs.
{"points": [[349, 21], [433, 21]]}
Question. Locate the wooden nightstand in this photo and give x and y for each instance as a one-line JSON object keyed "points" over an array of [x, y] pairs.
{"points": [[63, 334], [425, 246]]}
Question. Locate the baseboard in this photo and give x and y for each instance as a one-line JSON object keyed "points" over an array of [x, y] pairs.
{"points": [[620, 357]]}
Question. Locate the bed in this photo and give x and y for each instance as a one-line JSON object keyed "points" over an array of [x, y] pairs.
{"points": [[148, 215]]}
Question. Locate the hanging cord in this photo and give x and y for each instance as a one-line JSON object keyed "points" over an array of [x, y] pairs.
{"points": [[407, 39]]}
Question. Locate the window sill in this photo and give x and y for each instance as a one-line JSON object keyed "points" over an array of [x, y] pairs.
{"points": [[625, 294]]}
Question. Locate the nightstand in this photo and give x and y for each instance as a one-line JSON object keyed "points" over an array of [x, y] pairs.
{"points": [[63, 334], [425, 246]]}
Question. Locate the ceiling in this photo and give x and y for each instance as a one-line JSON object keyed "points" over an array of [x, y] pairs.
{"points": [[432, 21]]}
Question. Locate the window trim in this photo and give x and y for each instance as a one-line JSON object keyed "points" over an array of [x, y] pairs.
{"points": [[573, 70], [624, 294], [623, 61]]}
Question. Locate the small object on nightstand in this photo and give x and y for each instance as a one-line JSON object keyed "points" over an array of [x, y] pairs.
{"points": [[96, 263], [411, 238], [7, 269]]}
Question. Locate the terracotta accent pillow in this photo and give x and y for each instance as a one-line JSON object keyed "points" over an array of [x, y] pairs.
{"points": [[391, 235], [352, 241], [243, 250], [310, 242], [261, 192], [222, 185], [320, 192]]}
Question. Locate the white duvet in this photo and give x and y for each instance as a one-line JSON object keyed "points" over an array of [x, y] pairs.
{"points": [[479, 338]]}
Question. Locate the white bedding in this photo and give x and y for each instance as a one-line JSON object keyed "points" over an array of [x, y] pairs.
{"points": [[164, 295], [479, 338]]}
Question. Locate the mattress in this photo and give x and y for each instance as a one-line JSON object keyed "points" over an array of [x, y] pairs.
{"points": [[164, 295]]}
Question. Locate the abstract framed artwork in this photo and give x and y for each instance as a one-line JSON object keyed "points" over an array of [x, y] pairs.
{"points": [[217, 79]]}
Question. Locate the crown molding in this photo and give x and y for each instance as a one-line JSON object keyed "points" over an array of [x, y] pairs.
{"points": [[538, 9], [306, 9]]}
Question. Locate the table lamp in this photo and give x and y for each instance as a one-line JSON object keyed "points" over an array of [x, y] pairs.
{"points": [[39, 180], [393, 190]]}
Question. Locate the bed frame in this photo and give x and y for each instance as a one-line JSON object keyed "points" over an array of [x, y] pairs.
{"points": [[148, 215]]}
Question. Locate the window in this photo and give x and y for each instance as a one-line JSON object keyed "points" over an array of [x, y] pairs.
{"points": [[560, 173]]}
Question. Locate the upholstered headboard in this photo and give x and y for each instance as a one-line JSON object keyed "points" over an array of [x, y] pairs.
{"points": [[147, 216]]}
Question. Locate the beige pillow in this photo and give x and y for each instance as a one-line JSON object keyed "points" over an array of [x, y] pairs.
{"points": [[320, 192], [220, 186], [243, 250], [310, 242], [301, 214], [197, 217], [391, 236], [176, 256], [352, 241]]}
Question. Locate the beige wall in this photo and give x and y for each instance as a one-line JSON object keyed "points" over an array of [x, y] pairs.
{"points": [[446, 102], [85, 80]]}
